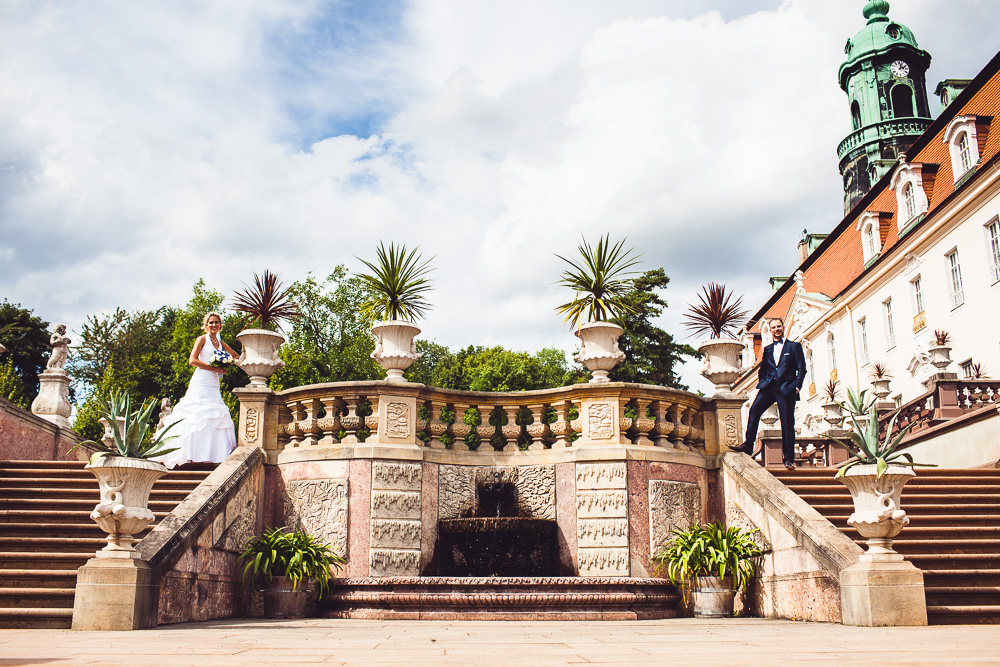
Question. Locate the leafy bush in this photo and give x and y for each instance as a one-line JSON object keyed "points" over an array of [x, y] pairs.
{"points": [[131, 430], [295, 555], [710, 550]]}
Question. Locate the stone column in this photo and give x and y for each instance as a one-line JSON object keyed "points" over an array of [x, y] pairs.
{"points": [[52, 402], [258, 418], [723, 423]]}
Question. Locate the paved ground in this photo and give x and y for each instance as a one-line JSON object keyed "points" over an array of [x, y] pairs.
{"points": [[377, 643]]}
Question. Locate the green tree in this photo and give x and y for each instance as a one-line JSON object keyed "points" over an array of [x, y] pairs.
{"points": [[26, 338], [12, 386], [650, 352]]}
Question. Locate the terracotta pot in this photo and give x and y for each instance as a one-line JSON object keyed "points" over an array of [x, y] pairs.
{"points": [[713, 597], [395, 347], [599, 349], [877, 513], [260, 354], [722, 360], [280, 601], [123, 511]]}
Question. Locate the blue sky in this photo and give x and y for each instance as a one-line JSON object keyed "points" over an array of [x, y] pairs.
{"points": [[146, 145]]}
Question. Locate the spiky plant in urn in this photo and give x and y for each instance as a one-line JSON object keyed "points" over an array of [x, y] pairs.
{"points": [[719, 316], [267, 306], [880, 377], [398, 282], [599, 278], [876, 473], [123, 470], [940, 349]]}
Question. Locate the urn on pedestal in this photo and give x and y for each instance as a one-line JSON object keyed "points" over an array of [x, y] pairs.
{"points": [[395, 347], [718, 314], [267, 305], [599, 350]]}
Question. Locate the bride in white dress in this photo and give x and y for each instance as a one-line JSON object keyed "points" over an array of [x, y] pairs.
{"points": [[205, 431]]}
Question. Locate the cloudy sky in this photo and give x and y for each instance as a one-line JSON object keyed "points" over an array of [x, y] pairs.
{"points": [[144, 145]]}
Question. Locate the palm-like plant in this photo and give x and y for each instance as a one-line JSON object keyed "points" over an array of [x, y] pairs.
{"points": [[831, 390], [716, 313], [709, 551], [864, 442], [880, 371], [295, 555], [131, 430], [399, 282], [600, 280], [266, 303]]}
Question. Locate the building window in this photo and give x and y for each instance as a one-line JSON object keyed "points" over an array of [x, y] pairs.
{"points": [[831, 345], [863, 340], [856, 115], [917, 293], [955, 292], [902, 101], [911, 201], [967, 371], [993, 249], [871, 235], [960, 135], [890, 329]]}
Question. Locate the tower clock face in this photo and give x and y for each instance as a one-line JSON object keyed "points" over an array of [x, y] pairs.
{"points": [[899, 69]]}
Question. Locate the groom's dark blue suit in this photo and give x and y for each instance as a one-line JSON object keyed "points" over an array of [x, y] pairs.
{"points": [[778, 383]]}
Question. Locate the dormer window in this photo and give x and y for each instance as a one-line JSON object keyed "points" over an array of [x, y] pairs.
{"points": [[960, 135], [911, 201], [870, 227]]}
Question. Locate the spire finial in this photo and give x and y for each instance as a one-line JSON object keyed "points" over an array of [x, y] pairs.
{"points": [[876, 10]]}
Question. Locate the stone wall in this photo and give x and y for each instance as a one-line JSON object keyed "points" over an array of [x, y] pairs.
{"points": [[194, 549], [26, 437]]}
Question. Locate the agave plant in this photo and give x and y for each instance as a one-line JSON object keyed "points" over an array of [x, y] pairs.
{"points": [[709, 551], [266, 304], [716, 313], [295, 555], [600, 281], [864, 442], [399, 282], [131, 430]]}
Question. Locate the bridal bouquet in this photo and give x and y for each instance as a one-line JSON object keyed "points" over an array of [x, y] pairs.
{"points": [[221, 358]]}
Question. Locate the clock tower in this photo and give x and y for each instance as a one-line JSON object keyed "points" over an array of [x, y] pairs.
{"points": [[884, 78]]}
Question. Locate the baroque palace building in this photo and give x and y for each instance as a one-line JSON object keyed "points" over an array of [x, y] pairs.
{"points": [[919, 248]]}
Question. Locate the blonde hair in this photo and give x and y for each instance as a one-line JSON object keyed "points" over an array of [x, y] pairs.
{"points": [[208, 316]]}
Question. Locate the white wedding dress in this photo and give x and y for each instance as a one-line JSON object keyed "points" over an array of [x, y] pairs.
{"points": [[205, 431]]}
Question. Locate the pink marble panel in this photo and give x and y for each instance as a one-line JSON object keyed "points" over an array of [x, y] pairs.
{"points": [[716, 510], [314, 470], [566, 517], [428, 517], [359, 517], [26, 437], [676, 472], [273, 510], [638, 517]]}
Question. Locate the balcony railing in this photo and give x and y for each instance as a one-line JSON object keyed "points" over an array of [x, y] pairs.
{"points": [[888, 128], [948, 399]]}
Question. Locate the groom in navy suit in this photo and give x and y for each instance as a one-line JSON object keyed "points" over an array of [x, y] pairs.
{"points": [[780, 376]]}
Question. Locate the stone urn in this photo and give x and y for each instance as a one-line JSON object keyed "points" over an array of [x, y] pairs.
{"points": [[877, 514], [599, 349], [940, 356], [833, 414], [395, 347], [880, 388], [260, 354], [123, 511], [722, 360]]}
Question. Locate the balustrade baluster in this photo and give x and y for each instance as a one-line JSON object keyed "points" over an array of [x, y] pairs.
{"points": [[643, 424], [690, 437], [538, 429], [350, 422], [435, 427], [624, 423], [484, 430], [680, 429], [459, 429], [664, 427], [310, 426], [576, 425], [560, 428], [511, 430], [330, 422], [372, 420], [294, 427]]}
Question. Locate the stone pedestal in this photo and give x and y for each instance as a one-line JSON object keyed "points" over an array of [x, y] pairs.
{"points": [[882, 590], [116, 594], [52, 402]]}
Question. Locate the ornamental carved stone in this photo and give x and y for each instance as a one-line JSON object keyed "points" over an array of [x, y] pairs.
{"points": [[250, 433], [671, 505], [319, 507], [600, 419], [398, 418], [603, 562], [392, 475]]}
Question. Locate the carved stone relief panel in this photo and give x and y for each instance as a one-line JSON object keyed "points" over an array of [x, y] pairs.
{"points": [[671, 505], [319, 507], [395, 534], [456, 491], [732, 433], [536, 489], [601, 475], [398, 417], [240, 516], [396, 504], [602, 503], [600, 419], [602, 519], [392, 475], [394, 562], [603, 562], [253, 418], [602, 533]]}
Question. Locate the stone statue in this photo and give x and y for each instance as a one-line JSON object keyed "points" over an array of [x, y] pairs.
{"points": [[60, 349], [165, 410]]}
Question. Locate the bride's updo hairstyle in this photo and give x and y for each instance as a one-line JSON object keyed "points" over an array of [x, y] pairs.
{"points": [[208, 316]]}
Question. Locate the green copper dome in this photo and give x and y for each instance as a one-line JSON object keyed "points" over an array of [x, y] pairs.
{"points": [[879, 34]]}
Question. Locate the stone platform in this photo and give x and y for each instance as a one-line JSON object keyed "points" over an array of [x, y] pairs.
{"points": [[502, 598]]}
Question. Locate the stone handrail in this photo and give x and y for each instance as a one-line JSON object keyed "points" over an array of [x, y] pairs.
{"points": [[948, 399], [332, 413]]}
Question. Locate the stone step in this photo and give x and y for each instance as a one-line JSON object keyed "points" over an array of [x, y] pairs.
{"points": [[963, 614], [955, 561], [34, 598], [943, 576], [43, 560], [33, 578], [52, 530], [9, 483], [77, 516], [51, 544], [72, 503], [962, 595], [37, 619], [925, 521], [91, 494], [841, 491], [914, 546], [987, 500]]}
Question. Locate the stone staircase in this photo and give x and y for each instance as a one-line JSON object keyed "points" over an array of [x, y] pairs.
{"points": [[953, 535], [46, 534]]}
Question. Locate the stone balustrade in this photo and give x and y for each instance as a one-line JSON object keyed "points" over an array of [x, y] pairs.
{"points": [[335, 416]]}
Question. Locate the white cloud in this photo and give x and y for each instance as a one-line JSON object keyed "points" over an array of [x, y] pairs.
{"points": [[143, 146]]}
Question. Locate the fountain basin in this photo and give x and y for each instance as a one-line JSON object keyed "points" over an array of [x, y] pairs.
{"points": [[498, 547]]}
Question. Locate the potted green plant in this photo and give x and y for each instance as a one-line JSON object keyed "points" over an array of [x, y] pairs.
{"points": [[267, 306], [876, 473], [880, 377], [834, 412], [600, 282], [290, 568], [123, 470], [717, 560], [940, 349], [718, 315], [398, 282]]}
